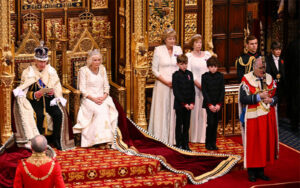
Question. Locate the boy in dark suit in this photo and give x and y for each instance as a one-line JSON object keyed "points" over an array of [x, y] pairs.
{"points": [[275, 67], [184, 92], [213, 90]]}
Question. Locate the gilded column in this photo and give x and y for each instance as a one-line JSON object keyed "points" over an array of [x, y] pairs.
{"points": [[208, 44], [6, 83], [139, 49], [128, 62], [6, 72]]}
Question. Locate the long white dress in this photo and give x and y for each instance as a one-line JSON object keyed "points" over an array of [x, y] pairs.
{"points": [[96, 123], [162, 115], [198, 116]]}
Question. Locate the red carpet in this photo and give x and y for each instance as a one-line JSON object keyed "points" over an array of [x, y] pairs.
{"points": [[286, 169]]}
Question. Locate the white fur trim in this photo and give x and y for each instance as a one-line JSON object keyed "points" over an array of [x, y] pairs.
{"points": [[63, 101], [53, 102], [18, 92]]}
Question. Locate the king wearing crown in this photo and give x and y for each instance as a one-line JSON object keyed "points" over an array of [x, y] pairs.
{"points": [[40, 95]]}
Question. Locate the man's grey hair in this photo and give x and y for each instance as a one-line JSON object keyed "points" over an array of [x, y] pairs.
{"points": [[39, 143], [256, 61]]}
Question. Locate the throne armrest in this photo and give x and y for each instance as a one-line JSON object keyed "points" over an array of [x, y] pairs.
{"points": [[74, 102], [118, 92], [66, 95]]}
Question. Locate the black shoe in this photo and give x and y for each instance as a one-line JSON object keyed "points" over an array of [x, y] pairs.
{"points": [[215, 147], [187, 148], [263, 177], [209, 147], [179, 146], [252, 178], [57, 144]]}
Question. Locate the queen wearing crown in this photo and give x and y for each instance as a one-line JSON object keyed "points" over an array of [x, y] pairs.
{"points": [[97, 116]]}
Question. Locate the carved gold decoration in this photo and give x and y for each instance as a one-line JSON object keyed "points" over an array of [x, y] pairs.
{"points": [[128, 66], [4, 22], [161, 17], [150, 76], [13, 31], [190, 26], [208, 44], [139, 49], [51, 4], [99, 4], [6, 83], [12, 6], [191, 2], [31, 21], [53, 26], [230, 124]]}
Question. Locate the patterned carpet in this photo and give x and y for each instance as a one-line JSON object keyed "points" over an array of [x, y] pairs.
{"points": [[287, 135], [95, 167]]}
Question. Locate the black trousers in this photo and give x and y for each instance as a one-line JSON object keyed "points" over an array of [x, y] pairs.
{"points": [[183, 117], [53, 111], [212, 126]]}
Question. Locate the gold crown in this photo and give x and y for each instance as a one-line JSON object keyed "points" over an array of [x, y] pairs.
{"points": [[86, 16], [30, 18]]}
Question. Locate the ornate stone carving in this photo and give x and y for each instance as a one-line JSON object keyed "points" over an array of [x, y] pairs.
{"points": [[190, 26], [99, 4], [161, 17]]}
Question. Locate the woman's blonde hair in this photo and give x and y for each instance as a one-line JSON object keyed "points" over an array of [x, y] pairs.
{"points": [[193, 39], [95, 52], [168, 33]]}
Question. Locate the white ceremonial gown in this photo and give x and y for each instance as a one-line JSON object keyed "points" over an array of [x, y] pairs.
{"points": [[198, 124], [96, 123], [162, 115]]}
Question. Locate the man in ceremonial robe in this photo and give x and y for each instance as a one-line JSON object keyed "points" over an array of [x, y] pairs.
{"points": [[257, 98], [40, 85], [38, 170], [244, 62]]}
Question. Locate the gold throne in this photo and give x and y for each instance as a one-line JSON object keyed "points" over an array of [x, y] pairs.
{"points": [[76, 58]]}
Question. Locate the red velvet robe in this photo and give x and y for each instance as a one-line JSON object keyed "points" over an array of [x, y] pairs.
{"points": [[22, 179], [260, 130]]}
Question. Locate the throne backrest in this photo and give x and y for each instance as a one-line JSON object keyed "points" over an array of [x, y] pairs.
{"points": [[78, 56], [78, 60]]}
